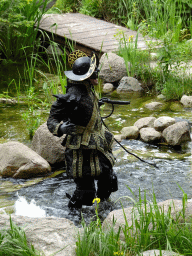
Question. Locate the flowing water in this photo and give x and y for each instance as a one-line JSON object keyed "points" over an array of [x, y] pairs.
{"points": [[47, 197]]}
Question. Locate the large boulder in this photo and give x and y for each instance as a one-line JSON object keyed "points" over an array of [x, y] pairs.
{"points": [[149, 134], [145, 122], [186, 101], [48, 146], [129, 84], [129, 214], [163, 122], [112, 67], [177, 133], [48, 235], [159, 253], [131, 132], [19, 161]]}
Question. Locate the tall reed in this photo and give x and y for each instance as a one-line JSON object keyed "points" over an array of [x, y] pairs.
{"points": [[13, 241], [19, 27], [150, 227]]}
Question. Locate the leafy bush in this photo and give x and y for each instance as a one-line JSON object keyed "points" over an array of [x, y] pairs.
{"points": [[19, 24]]}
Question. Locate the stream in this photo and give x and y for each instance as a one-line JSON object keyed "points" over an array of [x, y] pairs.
{"points": [[47, 196]]}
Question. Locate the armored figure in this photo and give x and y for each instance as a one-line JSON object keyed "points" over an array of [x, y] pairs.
{"points": [[88, 154]]}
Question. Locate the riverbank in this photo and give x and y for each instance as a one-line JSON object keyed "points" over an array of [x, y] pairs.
{"points": [[58, 236]]}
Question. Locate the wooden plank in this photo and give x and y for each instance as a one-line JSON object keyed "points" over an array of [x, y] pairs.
{"points": [[87, 31]]}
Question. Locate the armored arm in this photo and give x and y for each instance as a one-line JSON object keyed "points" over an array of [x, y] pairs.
{"points": [[59, 122]]}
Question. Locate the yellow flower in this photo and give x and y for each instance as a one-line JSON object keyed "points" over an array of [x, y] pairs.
{"points": [[118, 253], [97, 200], [131, 38]]}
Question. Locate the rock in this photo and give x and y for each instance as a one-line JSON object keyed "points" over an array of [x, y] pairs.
{"points": [[118, 215], [154, 105], [19, 161], [48, 235], [7, 101], [131, 132], [108, 87], [145, 122], [161, 97], [159, 253], [176, 107], [177, 133], [129, 84], [149, 134], [48, 146], [118, 137], [163, 122], [112, 67], [54, 50], [186, 101]]}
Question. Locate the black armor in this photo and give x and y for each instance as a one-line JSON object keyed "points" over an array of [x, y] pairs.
{"points": [[88, 143]]}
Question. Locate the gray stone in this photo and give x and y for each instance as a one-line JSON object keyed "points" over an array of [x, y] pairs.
{"points": [[129, 84], [112, 67], [54, 50], [48, 235], [186, 101], [177, 133], [154, 105], [161, 97], [19, 161], [163, 122], [118, 137], [131, 132], [145, 122], [7, 101], [159, 253], [149, 134], [48, 146], [131, 212], [108, 87]]}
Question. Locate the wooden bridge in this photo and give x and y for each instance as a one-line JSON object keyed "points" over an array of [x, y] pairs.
{"points": [[86, 33]]}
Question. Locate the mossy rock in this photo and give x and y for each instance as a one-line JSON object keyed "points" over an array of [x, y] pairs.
{"points": [[176, 107], [5, 203], [8, 186], [8, 210]]}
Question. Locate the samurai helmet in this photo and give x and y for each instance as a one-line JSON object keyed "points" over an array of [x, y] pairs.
{"points": [[83, 66]]}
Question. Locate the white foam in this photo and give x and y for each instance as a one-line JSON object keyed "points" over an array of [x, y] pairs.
{"points": [[23, 208]]}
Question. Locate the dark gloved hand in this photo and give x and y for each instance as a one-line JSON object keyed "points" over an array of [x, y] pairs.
{"points": [[67, 128]]}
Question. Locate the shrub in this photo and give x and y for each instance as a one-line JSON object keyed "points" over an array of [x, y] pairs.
{"points": [[19, 27]]}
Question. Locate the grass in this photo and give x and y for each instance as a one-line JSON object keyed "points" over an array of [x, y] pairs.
{"points": [[13, 242], [169, 77], [19, 27], [151, 228]]}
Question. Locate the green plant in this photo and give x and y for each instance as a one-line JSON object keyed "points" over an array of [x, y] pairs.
{"points": [[94, 241], [150, 228], [91, 7], [19, 27], [128, 50], [32, 116], [68, 5], [13, 242]]}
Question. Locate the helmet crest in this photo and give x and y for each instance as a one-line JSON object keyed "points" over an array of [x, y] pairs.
{"points": [[82, 67]]}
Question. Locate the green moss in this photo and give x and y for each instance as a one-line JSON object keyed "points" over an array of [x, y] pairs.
{"points": [[5, 203], [56, 173], [176, 107]]}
